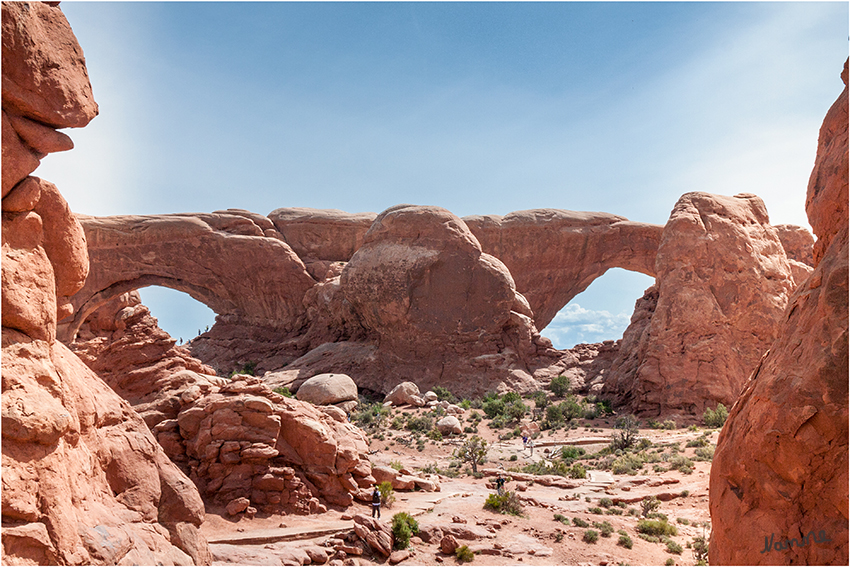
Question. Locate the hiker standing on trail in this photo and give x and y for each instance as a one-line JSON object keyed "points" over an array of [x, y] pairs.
{"points": [[531, 446], [500, 483], [525, 440], [376, 503]]}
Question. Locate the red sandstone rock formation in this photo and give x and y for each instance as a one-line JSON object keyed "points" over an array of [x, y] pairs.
{"points": [[799, 246], [234, 438], [554, 255], [723, 282], [84, 482], [780, 472]]}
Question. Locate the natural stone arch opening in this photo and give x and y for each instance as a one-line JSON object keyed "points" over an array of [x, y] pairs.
{"points": [[602, 311], [177, 313], [67, 330]]}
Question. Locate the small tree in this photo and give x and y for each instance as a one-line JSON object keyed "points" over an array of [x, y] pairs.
{"points": [[404, 525], [715, 418], [560, 386], [649, 504], [473, 451], [627, 434]]}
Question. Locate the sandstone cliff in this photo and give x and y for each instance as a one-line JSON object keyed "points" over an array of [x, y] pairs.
{"points": [[780, 471], [723, 281], [84, 482]]}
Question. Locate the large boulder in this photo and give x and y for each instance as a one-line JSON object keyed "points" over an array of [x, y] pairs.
{"points": [[723, 282], [781, 463], [406, 393], [327, 389], [84, 481]]}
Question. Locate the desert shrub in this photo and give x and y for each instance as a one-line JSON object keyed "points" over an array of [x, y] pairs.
{"points": [[398, 422], [571, 453], [370, 416], [606, 502], [465, 404], [669, 562], [507, 503], [443, 394], [559, 537], [698, 442], [580, 523], [464, 555], [596, 510], [657, 516], [656, 528], [683, 521], [649, 504], [649, 538], [590, 536], [470, 429], [704, 454], [423, 423], [403, 526], [700, 549], [589, 411], [652, 424], [577, 471], [571, 409], [605, 528], [682, 464], [669, 424], [396, 465], [435, 435], [513, 458], [541, 399], [493, 407], [627, 464], [561, 518], [674, 547], [625, 541], [515, 410], [283, 391], [554, 414], [716, 417], [684, 493], [560, 386], [387, 494], [643, 444]]}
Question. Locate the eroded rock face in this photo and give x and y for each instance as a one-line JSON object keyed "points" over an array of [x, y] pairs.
{"points": [[554, 254], [84, 482], [723, 282], [781, 463]]}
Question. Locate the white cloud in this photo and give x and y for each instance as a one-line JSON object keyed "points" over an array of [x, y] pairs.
{"points": [[574, 324]]}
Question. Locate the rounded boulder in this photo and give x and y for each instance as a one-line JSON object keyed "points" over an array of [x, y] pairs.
{"points": [[327, 389]]}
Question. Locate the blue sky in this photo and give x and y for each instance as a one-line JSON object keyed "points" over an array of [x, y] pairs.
{"points": [[481, 108]]}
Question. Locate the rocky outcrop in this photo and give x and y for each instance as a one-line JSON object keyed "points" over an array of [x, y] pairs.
{"points": [[723, 282], [245, 441], [554, 255], [781, 464], [84, 482], [434, 309], [799, 247], [327, 389], [228, 435]]}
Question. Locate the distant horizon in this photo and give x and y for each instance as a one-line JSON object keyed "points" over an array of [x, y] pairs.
{"points": [[480, 108]]}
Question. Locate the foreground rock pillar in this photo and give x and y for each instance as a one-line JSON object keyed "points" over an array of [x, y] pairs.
{"points": [[779, 479], [84, 481]]}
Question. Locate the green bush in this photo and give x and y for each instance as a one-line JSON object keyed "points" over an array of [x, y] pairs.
{"points": [[571, 453], [669, 424], [464, 555], [704, 454], [571, 409], [493, 408], [627, 464], [596, 510], [515, 410], [590, 536], [283, 391], [682, 464], [627, 433], [513, 458], [404, 525], [553, 414], [625, 541], [444, 394], [700, 549], [656, 528], [683, 521], [716, 417], [669, 562], [561, 518], [605, 528], [606, 502], [396, 465], [577, 471], [423, 423], [674, 547], [698, 442], [560, 386], [580, 523], [387, 494], [507, 503], [465, 404]]}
